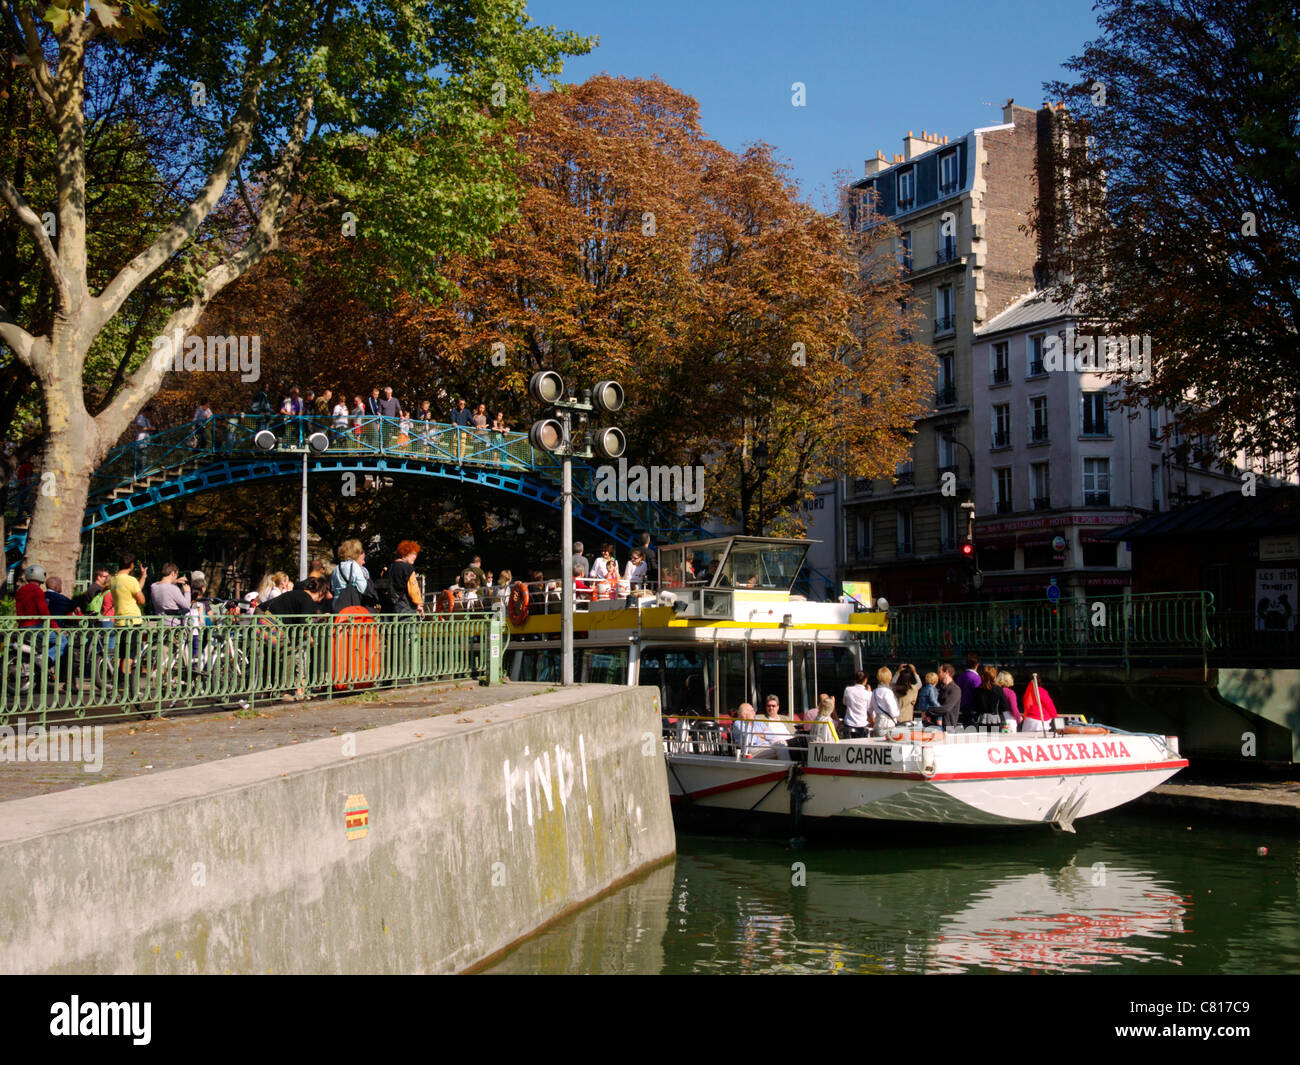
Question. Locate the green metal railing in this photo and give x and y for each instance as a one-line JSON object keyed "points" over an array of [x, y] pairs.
{"points": [[1116, 629], [92, 671]]}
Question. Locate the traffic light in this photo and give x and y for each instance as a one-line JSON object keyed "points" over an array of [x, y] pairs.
{"points": [[968, 548]]}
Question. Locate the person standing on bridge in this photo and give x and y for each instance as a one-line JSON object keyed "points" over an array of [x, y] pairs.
{"points": [[202, 418], [390, 406]]}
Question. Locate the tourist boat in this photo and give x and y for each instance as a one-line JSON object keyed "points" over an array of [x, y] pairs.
{"points": [[725, 627]]}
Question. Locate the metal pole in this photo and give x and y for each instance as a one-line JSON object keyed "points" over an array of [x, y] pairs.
{"points": [[566, 575], [302, 524]]}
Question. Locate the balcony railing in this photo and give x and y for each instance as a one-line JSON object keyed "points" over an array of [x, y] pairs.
{"points": [[946, 253], [1037, 369], [1042, 503], [943, 324], [1003, 506], [1096, 499], [1001, 375], [945, 397], [1002, 439], [1038, 434], [905, 479]]}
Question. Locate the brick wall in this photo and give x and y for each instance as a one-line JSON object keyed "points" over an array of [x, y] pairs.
{"points": [[1012, 183]]}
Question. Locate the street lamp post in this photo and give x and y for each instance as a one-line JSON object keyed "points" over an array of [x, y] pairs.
{"points": [[554, 433], [308, 442]]}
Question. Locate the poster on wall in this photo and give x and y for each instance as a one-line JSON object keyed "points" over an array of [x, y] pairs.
{"points": [[1275, 598]]}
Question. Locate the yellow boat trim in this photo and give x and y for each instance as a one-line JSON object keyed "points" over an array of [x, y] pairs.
{"points": [[663, 617]]}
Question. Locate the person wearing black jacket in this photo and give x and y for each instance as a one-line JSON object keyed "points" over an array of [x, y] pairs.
{"points": [[988, 702], [296, 649], [949, 709]]}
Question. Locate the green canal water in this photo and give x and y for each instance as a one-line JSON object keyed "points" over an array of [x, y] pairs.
{"points": [[1128, 893]]}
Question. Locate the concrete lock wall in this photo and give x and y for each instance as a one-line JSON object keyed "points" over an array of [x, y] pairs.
{"points": [[436, 845]]}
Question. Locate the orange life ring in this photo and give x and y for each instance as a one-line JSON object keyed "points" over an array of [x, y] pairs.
{"points": [[517, 607], [358, 652], [1085, 730]]}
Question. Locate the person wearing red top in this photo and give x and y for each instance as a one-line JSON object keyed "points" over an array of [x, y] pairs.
{"points": [[1037, 713], [31, 608]]}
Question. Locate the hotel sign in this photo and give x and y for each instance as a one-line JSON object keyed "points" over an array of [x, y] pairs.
{"points": [[1275, 547]]}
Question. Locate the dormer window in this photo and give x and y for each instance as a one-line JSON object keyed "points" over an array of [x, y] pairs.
{"points": [[948, 179], [906, 187]]}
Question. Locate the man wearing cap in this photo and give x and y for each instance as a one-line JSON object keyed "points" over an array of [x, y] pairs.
{"points": [[31, 608]]}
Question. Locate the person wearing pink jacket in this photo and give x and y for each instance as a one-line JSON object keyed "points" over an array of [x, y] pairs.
{"points": [[1037, 712]]}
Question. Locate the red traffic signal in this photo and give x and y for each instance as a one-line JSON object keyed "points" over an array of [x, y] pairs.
{"points": [[968, 549]]}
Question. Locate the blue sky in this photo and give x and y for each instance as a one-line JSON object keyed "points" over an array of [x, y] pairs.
{"points": [[873, 70]]}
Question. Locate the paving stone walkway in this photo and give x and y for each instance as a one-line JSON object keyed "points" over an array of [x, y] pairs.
{"points": [[132, 748]]}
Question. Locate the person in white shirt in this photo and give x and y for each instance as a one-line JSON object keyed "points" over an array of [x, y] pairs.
{"points": [[857, 706], [636, 569], [600, 571], [340, 414], [884, 704], [776, 732], [748, 735]]}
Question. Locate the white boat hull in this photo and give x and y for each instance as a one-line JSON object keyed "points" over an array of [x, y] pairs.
{"points": [[967, 780]]}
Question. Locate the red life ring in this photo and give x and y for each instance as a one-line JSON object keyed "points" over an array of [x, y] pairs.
{"points": [[446, 602], [517, 607]]}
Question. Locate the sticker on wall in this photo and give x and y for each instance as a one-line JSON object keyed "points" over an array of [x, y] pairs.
{"points": [[357, 817]]}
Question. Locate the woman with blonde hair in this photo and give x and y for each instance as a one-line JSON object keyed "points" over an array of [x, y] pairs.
{"points": [[884, 703], [350, 582], [1006, 682], [273, 584]]}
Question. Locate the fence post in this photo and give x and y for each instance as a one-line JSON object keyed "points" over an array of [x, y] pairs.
{"points": [[1126, 619], [494, 648]]}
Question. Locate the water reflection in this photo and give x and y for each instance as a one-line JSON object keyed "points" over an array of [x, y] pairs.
{"points": [[1122, 895]]}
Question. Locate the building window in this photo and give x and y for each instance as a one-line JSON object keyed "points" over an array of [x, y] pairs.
{"points": [[1002, 490], [904, 532], [948, 527], [1001, 425], [906, 188], [1096, 482], [947, 450], [1041, 472], [948, 179], [1094, 414], [1038, 419], [863, 535], [1035, 352], [943, 309], [1156, 486], [1001, 364], [866, 209], [905, 472], [1153, 424], [905, 250], [947, 383]]}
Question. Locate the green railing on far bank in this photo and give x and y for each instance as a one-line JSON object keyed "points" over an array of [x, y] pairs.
{"points": [[91, 671], [1120, 630]]}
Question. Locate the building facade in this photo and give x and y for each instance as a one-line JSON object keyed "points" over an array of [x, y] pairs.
{"points": [[961, 210]]}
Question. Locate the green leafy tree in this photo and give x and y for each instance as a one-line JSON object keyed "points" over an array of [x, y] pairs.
{"points": [[388, 117]]}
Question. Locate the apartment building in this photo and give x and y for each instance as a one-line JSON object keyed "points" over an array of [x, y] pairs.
{"points": [[961, 209]]}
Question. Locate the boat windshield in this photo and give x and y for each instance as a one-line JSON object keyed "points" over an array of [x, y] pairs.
{"points": [[766, 566]]}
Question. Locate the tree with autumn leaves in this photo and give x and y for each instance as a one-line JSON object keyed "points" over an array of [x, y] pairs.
{"points": [[731, 311], [293, 114]]}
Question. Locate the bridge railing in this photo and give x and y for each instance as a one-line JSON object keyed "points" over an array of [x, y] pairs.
{"points": [[1119, 630], [231, 436], [92, 672]]}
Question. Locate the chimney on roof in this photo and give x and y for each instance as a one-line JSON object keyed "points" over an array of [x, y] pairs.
{"points": [[874, 166], [1007, 109], [913, 146]]}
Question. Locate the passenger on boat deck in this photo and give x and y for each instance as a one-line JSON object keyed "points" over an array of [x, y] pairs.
{"points": [[949, 711], [581, 589], [824, 724], [748, 735], [1038, 711], [968, 680], [989, 704], [906, 686], [600, 569], [636, 569], [579, 559], [1007, 683], [857, 706], [928, 697], [778, 733], [884, 704]]}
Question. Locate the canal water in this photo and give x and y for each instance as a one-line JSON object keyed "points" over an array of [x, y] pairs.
{"points": [[1128, 893]]}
